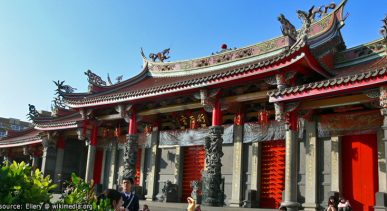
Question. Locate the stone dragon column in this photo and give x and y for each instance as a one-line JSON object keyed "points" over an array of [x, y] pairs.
{"points": [[130, 148], [381, 196], [213, 146]]}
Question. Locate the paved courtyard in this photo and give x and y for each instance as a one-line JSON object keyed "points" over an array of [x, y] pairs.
{"points": [[157, 206]]}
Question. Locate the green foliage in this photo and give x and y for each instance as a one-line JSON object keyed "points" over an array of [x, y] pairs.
{"points": [[81, 192], [20, 185]]}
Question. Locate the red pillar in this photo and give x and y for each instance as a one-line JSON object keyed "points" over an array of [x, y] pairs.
{"points": [[132, 123], [94, 134], [292, 120], [60, 143], [217, 113]]}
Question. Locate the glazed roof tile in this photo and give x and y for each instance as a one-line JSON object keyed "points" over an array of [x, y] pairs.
{"points": [[371, 69], [151, 85], [57, 123], [29, 136], [161, 78]]}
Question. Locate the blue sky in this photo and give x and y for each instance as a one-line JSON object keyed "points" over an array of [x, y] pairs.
{"points": [[46, 40]]}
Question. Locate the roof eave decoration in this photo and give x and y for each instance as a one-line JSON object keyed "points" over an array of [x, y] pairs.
{"points": [[237, 73], [258, 51], [58, 123], [22, 139], [339, 85]]}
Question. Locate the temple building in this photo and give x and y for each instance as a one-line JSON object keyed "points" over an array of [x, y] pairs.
{"points": [[292, 121]]}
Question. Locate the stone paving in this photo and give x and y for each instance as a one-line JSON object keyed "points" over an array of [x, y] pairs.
{"points": [[158, 206]]}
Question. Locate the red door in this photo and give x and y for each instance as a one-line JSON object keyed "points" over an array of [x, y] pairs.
{"points": [[359, 171], [193, 165], [138, 167], [272, 173], [98, 166]]}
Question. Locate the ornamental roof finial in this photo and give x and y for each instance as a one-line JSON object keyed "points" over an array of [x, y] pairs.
{"points": [[287, 28], [161, 56], [383, 30]]}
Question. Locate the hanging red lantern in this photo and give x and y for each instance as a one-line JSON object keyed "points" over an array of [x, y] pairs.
{"points": [[117, 132], [148, 130], [263, 117], [105, 132]]}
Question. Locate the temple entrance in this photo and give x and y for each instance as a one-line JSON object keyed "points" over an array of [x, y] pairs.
{"points": [[138, 167], [98, 166], [194, 157], [272, 173], [359, 172]]}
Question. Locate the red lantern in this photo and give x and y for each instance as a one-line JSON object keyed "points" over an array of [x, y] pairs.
{"points": [[148, 130], [263, 117], [117, 132], [105, 132]]}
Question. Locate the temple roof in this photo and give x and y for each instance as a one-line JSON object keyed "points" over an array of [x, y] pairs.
{"points": [[251, 62], [22, 138], [352, 78], [67, 121]]}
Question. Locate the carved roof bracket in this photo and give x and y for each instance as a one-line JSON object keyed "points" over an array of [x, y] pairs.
{"points": [[280, 79], [87, 114], [281, 109], [289, 107], [383, 97], [208, 99], [372, 93], [123, 110]]}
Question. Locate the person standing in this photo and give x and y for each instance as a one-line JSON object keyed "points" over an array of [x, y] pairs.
{"points": [[131, 202]]}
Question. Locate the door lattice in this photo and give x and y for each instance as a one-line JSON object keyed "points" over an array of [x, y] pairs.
{"points": [[193, 165], [138, 167], [272, 173]]}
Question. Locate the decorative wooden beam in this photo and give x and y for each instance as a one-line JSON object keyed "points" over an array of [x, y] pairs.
{"points": [[335, 101], [262, 95]]}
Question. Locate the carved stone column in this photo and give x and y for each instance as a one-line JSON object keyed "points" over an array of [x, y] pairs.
{"points": [[381, 196], [34, 161], [290, 192], [113, 164], [213, 176], [178, 174], [130, 156], [59, 160], [48, 156], [151, 179], [130, 149], [236, 197], [103, 172], [142, 173], [336, 174], [311, 187], [255, 193], [280, 80], [91, 154]]}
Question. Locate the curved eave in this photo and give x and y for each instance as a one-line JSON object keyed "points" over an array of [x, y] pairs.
{"points": [[108, 89], [242, 73], [57, 126], [328, 24], [21, 139], [361, 53], [342, 85], [59, 123], [20, 143]]}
